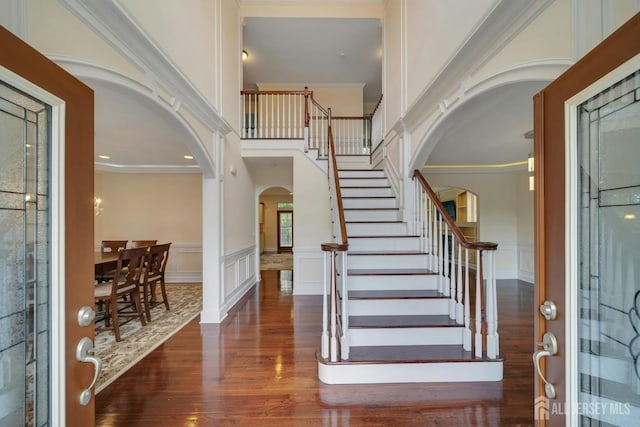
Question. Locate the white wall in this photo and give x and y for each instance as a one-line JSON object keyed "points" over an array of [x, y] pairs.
{"points": [[344, 100], [163, 207]]}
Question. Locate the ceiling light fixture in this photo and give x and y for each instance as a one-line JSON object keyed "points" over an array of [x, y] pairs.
{"points": [[245, 55], [104, 157], [188, 157]]}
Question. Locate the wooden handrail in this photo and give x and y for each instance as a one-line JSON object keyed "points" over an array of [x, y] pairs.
{"points": [[480, 246], [344, 245]]}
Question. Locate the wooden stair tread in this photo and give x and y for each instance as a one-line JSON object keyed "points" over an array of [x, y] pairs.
{"points": [[364, 186], [388, 252], [373, 222], [412, 321], [360, 170], [391, 272], [397, 294], [368, 197], [413, 354]]}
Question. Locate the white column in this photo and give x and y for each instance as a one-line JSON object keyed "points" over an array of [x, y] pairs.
{"points": [[213, 239]]}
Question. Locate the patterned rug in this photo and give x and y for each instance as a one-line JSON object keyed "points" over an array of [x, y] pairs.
{"points": [[185, 302], [274, 261]]}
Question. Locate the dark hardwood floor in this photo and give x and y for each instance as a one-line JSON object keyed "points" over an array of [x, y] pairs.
{"points": [[258, 368]]}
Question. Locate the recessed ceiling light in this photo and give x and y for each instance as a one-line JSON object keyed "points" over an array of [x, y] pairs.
{"points": [[630, 216], [104, 157], [188, 157]]}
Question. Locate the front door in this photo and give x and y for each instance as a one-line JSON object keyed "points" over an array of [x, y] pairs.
{"points": [[46, 239], [587, 134]]}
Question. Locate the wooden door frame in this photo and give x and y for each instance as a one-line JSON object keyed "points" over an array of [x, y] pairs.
{"points": [[286, 249], [21, 59], [550, 186]]}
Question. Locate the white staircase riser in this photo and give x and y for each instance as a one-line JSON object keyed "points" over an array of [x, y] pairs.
{"points": [[378, 203], [384, 373], [384, 243], [366, 192], [388, 282], [354, 162], [405, 336], [398, 307], [364, 182], [361, 174], [376, 229], [386, 261], [371, 215]]}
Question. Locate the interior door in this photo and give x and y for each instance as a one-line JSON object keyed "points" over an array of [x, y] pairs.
{"points": [[46, 239], [587, 180], [285, 231]]}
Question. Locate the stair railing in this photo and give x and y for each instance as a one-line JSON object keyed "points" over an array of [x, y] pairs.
{"points": [[377, 133], [450, 256], [352, 134], [274, 114], [319, 124], [335, 319]]}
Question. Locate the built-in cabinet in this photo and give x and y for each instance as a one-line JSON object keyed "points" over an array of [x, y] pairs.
{"points": [[467, 215]]}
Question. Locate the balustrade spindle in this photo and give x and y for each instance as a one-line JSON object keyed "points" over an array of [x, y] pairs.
{"points": [[466, 342]]}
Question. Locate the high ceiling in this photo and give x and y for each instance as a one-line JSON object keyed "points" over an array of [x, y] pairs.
{"points": [[309, 51], [489, 129]]}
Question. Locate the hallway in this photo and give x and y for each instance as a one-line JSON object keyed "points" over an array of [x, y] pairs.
{"points": [[258, 368]]}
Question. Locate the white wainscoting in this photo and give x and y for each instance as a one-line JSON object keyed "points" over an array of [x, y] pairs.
{"points": [[506, 260], [307, 271], [239, 276], [184, 264], [526, 262]]}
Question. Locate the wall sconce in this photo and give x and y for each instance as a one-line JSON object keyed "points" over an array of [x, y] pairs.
{"points": [[245, 55], [97, 206]]}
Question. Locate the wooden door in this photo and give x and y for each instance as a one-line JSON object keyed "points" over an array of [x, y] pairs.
{"points": [[285, 231], [587, 148], [53, 258]]}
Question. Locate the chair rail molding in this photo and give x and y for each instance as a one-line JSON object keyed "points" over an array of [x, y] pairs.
{"points": [[110, 21]]}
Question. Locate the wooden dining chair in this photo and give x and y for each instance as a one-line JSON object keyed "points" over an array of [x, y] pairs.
{"points": [[157, 256], [120, 297], [143, 243]]}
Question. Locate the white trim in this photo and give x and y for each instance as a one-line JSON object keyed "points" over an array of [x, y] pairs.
{"points": [[245, 276], [57, 390], [89, 71], [571, 228], [110, 20]]}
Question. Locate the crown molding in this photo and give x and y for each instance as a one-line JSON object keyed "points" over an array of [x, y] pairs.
{"points": [[501, 25], [109, 20]]}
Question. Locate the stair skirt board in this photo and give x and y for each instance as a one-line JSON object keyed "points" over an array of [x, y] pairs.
{"points": [[389, 282], [398, 307], [447, 335]]}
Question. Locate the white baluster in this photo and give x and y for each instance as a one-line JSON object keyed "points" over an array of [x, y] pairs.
{"points": [[324, 346], [452, 280], [466, 342], [459, 306], [492, 308], [478, 335], [345, 347]]}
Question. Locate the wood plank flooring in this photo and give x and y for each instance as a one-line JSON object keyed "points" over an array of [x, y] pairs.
{"points": [[258, 368]]}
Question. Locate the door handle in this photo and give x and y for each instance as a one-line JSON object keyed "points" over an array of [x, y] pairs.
{"points": [[549, 346], [86, 353]]}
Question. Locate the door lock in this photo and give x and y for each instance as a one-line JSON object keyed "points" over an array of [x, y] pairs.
{"points": [[549, 310], [549, 346], [86, 353]]}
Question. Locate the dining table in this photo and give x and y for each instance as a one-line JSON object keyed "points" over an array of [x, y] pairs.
{"points": [[104, 262]]}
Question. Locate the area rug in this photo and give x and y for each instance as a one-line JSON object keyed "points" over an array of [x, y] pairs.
{"points": [[137, 341], [274, 261]]}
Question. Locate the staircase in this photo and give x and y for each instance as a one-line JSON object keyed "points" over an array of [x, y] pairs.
{"points": [[399, 326]]}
